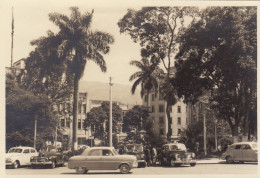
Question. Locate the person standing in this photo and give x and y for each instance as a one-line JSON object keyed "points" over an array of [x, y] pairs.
{"points": [[147, 154]]}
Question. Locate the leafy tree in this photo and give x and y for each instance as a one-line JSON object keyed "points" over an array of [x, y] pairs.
{"points": [[218, 54], [77, 43], [22, 108], [156, 29], [97, 119], [148, 77]]}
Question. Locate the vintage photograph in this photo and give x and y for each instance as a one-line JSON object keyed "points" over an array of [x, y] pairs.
{"points": [[141, 88]]}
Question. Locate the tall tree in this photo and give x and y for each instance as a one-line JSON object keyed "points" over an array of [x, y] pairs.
{"points": [[218, 54], [148, 76], [156, 29], [77, 43]]}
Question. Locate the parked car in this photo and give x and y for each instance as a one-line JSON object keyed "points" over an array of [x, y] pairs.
{"points": [[241, 152], [175, 154], [19, 156], [102, 158], [50, 157], [138, 151]]}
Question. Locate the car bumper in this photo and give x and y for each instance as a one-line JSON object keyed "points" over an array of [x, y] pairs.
{"points": [[41, 163], [8, 164], [185, 161]]}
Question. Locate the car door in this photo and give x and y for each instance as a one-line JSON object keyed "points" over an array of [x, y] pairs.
{"points": [[108, 160], [248, 153], [26, 155], [237, 153], [93, 160]]}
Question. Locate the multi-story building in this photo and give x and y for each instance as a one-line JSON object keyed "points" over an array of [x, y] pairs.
{"points": [[178, 115]]}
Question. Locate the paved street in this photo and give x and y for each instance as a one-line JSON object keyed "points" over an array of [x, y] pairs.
{"points": [[200, 168]]}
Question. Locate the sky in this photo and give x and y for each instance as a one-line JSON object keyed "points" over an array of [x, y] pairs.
{"points": [[31, 21]]}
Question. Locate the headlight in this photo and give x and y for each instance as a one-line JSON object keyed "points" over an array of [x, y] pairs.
{"points": [[8, 160]]}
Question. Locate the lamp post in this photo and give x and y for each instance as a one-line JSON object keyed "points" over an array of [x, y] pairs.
{"points": [[35, 130], [110, 111]]}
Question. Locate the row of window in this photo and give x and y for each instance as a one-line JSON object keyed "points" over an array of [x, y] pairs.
{"points": [[82, 108], [161, 120], [67, 123], [161, 131], [161, 109]]}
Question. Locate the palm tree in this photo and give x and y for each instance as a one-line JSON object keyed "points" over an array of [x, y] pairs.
{"points": [[77, 43], [148, 76]]}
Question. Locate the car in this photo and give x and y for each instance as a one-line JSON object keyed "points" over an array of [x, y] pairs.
{"points": [[138, 151], [48, 157], [19, 156], [241, 152], [176, 154], [102, 158]]}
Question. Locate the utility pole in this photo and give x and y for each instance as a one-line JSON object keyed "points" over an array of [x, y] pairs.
{"points": [[110, 111], [35, 131], [56, 134], [12, 36], [204, 132]]}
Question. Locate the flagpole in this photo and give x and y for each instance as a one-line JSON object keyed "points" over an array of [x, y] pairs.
{"points": [[12, 35]]}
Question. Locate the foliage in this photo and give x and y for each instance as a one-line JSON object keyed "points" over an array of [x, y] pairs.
{"points": [[22, 108], [98, 117], [156, 30], [218, 54], [76, 43]]}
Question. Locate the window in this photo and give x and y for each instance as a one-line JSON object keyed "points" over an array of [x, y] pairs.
{"points": [[179, 121], [79, 124], [106, 153], [81, 141], [170, 121], [161, 120], [153, 97], [68, 122], [152, 108], [237, 147], [79, 108], [84, 108], [145, 98], [161, 108], [26, 151], [246, 147], [62, 122], [95, 153], [161, 132], [179, 109], [179, 131], [33, 151]]}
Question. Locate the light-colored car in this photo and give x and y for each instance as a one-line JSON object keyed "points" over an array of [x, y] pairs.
{"points": [[102, 158], [241, 152], [19, 156]]}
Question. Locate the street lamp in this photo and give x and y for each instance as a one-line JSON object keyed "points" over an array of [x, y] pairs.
{"points": [[110, 112]]}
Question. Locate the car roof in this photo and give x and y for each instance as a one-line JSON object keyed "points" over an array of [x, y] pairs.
{"points": [[23, 147], [250, 143]]}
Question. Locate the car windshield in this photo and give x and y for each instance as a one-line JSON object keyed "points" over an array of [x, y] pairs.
{"points": [[178, 147], [15, 150]]}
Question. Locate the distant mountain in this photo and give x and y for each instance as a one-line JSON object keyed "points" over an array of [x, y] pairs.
{"points": [[120, 92]]}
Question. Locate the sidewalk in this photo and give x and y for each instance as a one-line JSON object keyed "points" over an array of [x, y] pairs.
{"points": [[210, 161]]}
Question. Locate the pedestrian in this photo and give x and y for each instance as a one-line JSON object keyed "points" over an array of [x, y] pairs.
{"points": [[154, 156], [147, 154]]}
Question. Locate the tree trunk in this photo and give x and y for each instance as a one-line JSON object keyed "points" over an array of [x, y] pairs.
{"points": [[75, 113], [169, 133], [234, 130]]}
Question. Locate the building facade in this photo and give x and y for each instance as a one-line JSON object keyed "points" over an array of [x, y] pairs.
{"points": [[178, 115]]}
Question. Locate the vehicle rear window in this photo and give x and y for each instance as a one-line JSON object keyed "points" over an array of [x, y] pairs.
{"points": [[33, 151], [237, 147]]}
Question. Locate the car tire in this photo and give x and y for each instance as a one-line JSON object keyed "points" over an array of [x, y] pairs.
{"points": [[81, 170], [192, 164], [33, 166], [229, 160], [124, 168], [15, 165]]}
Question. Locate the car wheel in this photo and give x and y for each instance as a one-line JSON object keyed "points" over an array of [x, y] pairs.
{"points": [[81, 170], [53, 164], [229, 160], [33, 166], [192, 164], [124, 168], [15, 165]]}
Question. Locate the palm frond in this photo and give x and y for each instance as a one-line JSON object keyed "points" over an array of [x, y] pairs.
{"points": [[135, 84], [135, 75]]}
